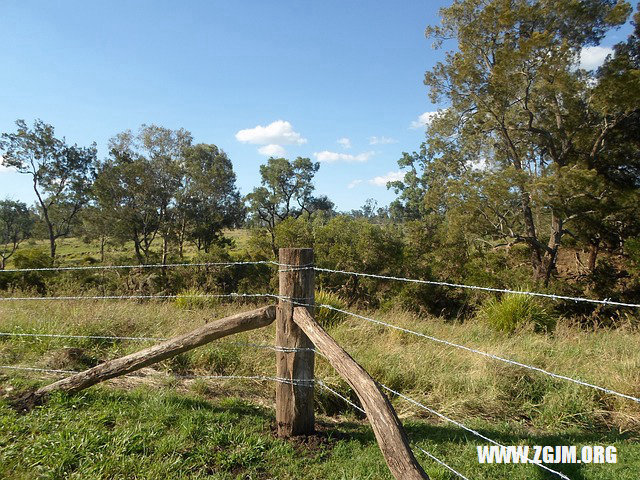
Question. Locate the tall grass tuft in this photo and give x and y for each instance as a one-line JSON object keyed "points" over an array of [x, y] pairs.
{"points": [[326, 317], [194, 299], [514, 311]]}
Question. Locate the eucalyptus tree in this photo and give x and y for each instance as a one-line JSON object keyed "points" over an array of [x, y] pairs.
{"points": [[61, 174], [208, 200], [16, 224], [136, 187], [523, 128], [286, 192]]}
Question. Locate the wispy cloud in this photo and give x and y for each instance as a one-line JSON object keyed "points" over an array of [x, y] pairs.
{"points": [[382, 180], [354, 183], [272, 150], [592, 57], [330, 157], [423, 120], [279, 132], [381, 140], [345, 142]]}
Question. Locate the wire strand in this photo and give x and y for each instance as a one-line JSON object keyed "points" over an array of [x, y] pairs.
{"points": [[464, 427], [275, 348], [486, 289], [357, 407], [150, 265], [146, 297], [488, 355]]}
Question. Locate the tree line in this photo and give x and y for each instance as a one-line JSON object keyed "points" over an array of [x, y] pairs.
{"points": [[531, 158]]}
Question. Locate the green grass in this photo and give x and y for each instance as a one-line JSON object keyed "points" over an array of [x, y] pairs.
{"points": [[156, 427]]}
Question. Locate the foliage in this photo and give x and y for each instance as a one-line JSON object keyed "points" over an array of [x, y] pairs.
{"points": [[286, 192], [208, 200], [525, 130], [61, 173], [16, 224], [514, 311]]}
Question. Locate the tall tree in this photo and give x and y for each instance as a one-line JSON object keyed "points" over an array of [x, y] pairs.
{"points": [[208, 200], [136, 187], [15, 225], [519, 113], [61, 173], [286, 191]]}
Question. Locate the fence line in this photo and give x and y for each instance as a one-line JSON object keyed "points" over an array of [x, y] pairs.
{"points": [[474, 287], [149, 265], [468, 429], [275, 348], [304, 383], [357, 407], [346, 312], [146, 297], [486, 354]]}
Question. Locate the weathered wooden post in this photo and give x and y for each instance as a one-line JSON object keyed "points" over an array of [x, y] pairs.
{"points": [[294, 401]]}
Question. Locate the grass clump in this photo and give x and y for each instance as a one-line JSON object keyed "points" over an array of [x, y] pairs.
{"points": [[515, 311], [324, 316], [194, 299]]}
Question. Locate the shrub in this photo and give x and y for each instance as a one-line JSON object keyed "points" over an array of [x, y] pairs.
{"points": [[514, 311], [325, 317]]}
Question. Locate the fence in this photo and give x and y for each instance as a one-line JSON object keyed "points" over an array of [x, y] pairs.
{"points": [[298, 339]]}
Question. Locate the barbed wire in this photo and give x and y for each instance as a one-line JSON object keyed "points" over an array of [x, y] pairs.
{"points": [[486, 354], [144, 297], [288, 381], [148, 265], [468, 429], [474, 287], [275, 348], [357, 407]]}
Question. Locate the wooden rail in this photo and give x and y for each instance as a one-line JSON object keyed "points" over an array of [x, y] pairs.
{"points": [[170, 348], [386, 426]]}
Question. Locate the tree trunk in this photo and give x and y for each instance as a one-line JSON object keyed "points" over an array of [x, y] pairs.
{"points": [[550, 257], [165, 249], [594, 248]]}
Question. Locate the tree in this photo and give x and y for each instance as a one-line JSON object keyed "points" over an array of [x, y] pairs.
{"points": [[208, 200], [286, 191], [15, 226], [519, 113], [136, 187], [61, 173]]}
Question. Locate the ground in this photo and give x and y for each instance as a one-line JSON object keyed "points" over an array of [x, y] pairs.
{"points": [[159, 426]]}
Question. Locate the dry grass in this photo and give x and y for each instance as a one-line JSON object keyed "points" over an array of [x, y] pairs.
{"points": [[458, 383]]}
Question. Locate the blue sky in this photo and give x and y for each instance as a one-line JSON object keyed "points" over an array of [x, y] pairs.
{"points": [[335, 81]]}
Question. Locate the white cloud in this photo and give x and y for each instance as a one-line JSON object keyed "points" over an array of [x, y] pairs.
{"points": [[279, 132], [345, 142], [330, 157], [592, 57], [354, 183], [423, 120], [272, 150], [381, 181], [381, 140]]}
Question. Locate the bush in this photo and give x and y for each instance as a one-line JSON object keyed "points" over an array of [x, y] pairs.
{"points": [[514, 311], [325, 317]]}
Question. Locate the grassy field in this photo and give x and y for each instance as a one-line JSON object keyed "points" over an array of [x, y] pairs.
{"points": [[73, 249], [155, 425]]}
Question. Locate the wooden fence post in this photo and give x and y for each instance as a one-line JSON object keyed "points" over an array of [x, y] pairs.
{"points": [[294, 401]]}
